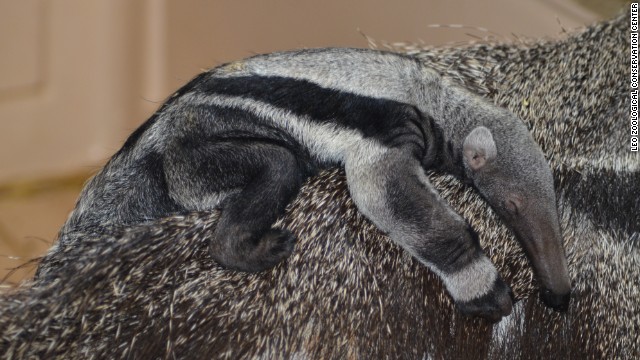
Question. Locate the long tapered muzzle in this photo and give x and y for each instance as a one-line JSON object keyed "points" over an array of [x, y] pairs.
{"points": [[558, 302], [546, 254], [553, 274]]}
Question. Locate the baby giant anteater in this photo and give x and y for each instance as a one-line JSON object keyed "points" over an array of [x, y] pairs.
{"points": [[244, 136]]}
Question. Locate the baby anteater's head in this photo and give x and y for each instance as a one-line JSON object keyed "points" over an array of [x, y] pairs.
{"points": [[507, 167]]}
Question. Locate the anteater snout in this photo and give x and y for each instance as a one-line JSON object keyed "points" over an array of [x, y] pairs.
{"points": [[558, 302]]}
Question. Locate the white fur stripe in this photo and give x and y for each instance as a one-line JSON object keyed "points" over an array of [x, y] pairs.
{"points": [[471, 282], [374, 74], [327, 142]]}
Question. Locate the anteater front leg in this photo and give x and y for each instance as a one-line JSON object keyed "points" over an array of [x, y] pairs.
{"points": [[391, 189], [252, 181]]}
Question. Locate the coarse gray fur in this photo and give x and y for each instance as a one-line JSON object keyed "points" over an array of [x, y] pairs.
{"points": [[153, 291], [244, 136]]}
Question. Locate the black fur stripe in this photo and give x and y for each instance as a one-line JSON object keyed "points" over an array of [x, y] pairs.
{"points": [[615, 205], [373, 117]]}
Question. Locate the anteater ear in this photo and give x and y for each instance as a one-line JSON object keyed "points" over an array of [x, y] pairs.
{"points": [[478, 148]]}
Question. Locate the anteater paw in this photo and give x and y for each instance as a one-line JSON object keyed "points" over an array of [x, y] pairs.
{"points": [[274, 246], [495, 304], [242, 251]]}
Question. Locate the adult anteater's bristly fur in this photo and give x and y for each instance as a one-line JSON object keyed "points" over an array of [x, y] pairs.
{"points": [[152, 291]]}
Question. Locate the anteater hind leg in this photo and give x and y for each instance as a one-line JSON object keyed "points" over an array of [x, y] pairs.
{"points": [[252, 182]]}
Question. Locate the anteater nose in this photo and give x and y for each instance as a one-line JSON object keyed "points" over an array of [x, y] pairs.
{"points": [[558, 302]]}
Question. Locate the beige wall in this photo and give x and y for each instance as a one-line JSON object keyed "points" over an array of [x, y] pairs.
{"points": [[77, 76], [68, 82], [220, 31]]}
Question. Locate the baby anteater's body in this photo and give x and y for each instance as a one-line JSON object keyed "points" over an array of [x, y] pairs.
{"points": [[244, 136]]}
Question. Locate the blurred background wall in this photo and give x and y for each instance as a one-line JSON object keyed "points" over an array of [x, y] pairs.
{"points": [[77, 76]]}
